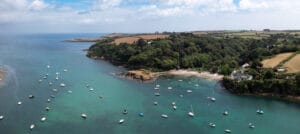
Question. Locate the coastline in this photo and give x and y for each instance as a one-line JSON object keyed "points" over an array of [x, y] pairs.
{"points": [[289, 98], [146, 75]]}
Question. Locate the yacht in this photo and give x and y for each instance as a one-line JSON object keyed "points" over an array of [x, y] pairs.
{"points": [[260, 111], [227, 130], [191, 113], [32, 126], [1, 117], [225, 113], [47, 108], [69, 91], [213, 99], [212, 125], [174, 107], [91, 89], [54, 90], [62, 85], [173, 103], [251, 125], [30, 96], [170, 88], [50, 83], [40, 80], [156, 94], [83, 115], [121, 121], [19, 103], [157, 85], [179, 80], [43, 119], [48, 66], [48, 100], [155, 103], [164, 116], [189, 91], [65, 70]]}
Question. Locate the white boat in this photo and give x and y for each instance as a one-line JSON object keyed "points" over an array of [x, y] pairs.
{"points": [[65, 70], [156, 94], [189, 91], [179, 80], [173, 103], [54, 90], [164, 116], [181, 95], [260, 111], [157, 85], [47, 74], [45, 77], [191, 113], [40, 80], [32, 126], [57, 73], [155, 103], [48, 66], [30, 96], [43, 119], [213, 99], [47, 108], [62, 85], [212, 125], [121, 121], [170, 88], [225, 113], [1, 117], [70, 91], [251, 125], [91, 89], [156, 88], [174, 107], [19, 103], [56, 78], [48, 100], [50, 83], [83, 115], [196, 85], [227, 130]]}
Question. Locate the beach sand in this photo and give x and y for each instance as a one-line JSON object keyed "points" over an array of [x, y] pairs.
{"points": [[190, 73]]}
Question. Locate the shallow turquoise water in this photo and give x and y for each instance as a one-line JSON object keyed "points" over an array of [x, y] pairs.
{"points": [[25, 58]]}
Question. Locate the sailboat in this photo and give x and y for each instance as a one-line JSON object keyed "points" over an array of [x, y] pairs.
{"points": [[191, 113]]}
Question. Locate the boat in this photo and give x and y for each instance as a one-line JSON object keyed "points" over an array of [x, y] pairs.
{"points": [[191, 113], [251, 125], [156, 88], [83, 115], [179, 80], [43, 119], [65, 70], [156, 94], [47, 108], [174, 107], [170, 88], [30, 96], [173, 103], [164, 116], [50, 83], [48, 66], [101, 97], [181, 95], [157, 85], [47, 74], [189, 91], [91, 89], [125, 111], [155, 103], [48, 100], [121, 121], [225, 113], [70, 91], [52, 96], [196, 85], [54, 90], [62, 85], [227, 130], [56, 78], [45, 77], [1, 117], [40, 80], [212, 99], [141, 114], [19, 103], [32, 126], [212, 125], [260, 111]]}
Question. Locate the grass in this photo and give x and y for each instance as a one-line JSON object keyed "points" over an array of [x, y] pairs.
{"points": [[276, 60], [293, 64]]}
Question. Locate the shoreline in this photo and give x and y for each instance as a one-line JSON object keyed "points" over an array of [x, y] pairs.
{"points": [[288, 98], [148, 76]]}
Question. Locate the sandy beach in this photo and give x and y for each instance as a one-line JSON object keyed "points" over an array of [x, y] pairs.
{"points": [[191, 73]]}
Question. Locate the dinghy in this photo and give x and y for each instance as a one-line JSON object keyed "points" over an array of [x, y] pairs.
{"points": [[83, 115]]}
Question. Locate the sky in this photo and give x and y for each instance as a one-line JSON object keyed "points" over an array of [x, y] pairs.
{"points": [[133, 16]]}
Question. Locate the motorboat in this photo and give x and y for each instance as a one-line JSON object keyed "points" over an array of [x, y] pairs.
{"points": [[91, 89], [191, 113], [1, 117], [47, 108], [157, 94], [189, 91], [155, 103], [170, 88], [62, 85], [19, 103], [212, 99], [174, 107]]}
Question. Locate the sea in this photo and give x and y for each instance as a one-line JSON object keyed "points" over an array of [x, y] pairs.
{"points": [[92, 88]]}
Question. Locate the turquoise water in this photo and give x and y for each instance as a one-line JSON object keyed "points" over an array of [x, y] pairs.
{"points": [[25, 58]]}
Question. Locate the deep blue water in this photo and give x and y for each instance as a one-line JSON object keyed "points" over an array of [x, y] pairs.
{"points": [[25, 59]]}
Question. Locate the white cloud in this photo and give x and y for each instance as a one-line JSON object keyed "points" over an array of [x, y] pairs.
{"points": [[38, 5], [106, 4], [253, 4]]}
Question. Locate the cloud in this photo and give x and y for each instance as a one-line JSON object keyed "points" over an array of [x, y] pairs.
{"points": [[38, 5], [253, 4], [106, 4]]}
